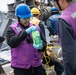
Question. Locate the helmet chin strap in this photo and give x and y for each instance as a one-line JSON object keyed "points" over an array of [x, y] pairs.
{"points": [[57, 1]]}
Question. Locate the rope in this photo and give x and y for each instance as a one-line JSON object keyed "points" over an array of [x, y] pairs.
{"points": [[47, 58], [53, 47]]}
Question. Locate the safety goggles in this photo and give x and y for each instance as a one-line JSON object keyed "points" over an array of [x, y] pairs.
{"points": [[25, 19]]}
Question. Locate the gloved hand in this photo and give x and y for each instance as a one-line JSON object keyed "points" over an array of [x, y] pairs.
{"points": [[39, 46], [34, 28], [31, 29]]}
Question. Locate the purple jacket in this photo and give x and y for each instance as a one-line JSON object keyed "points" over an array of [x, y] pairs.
{"points": [[69, 15], [25, 55]]}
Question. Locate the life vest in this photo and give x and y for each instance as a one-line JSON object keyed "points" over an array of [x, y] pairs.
{"points": [[24, 55], [71, 17], [35, 21]]}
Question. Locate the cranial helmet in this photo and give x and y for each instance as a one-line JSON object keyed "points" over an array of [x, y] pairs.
{"points": [[35, 11], [23, 11]]}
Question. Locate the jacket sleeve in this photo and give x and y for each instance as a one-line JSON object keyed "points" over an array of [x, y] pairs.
{"points": [[50, 26], [65, 32], [41, 25], [14, 40], [67, 40]]}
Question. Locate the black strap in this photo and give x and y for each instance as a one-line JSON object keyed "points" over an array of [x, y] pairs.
{"points": [[58, 5]]}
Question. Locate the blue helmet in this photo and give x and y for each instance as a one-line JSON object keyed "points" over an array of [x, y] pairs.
{"points": [[54, 9], [23, 11]]}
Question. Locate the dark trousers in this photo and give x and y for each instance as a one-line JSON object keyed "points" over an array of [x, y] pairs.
{"points": [[59, 68], [31, 71]]}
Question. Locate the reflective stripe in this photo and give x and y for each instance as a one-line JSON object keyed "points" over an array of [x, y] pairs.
{"points": [[73, 15], [18, 29]]}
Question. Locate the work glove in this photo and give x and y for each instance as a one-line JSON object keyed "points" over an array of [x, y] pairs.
{"points": [[31, 29]]}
